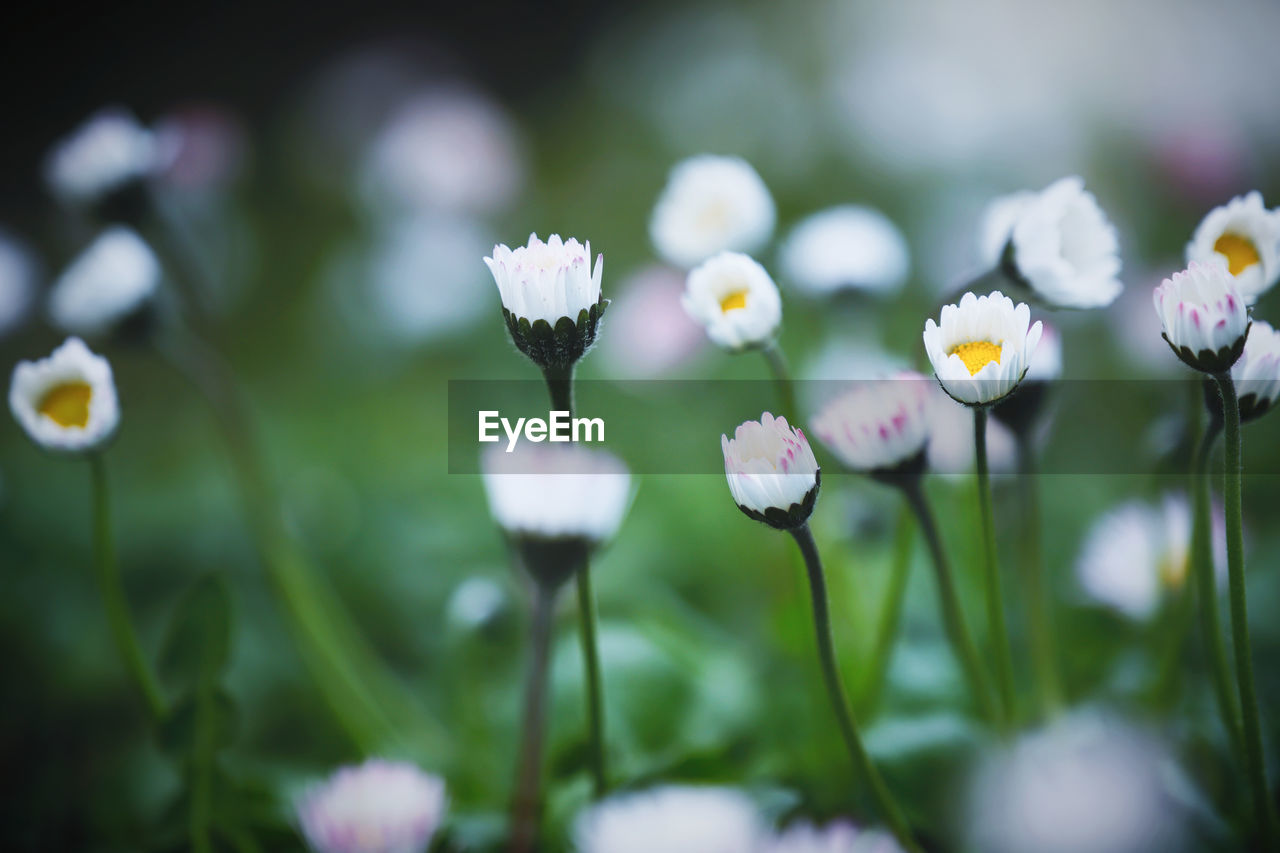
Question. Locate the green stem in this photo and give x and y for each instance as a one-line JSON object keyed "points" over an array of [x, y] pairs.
{"points": [[527, 804], [1037, 603], [782, 381], [560, 387], [831, 672], [1252, 727], [890, 614], [952, 614], [995, 603], [113, 600]]}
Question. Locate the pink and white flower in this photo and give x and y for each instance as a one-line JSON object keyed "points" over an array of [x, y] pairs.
{"points": [[878, 425], [376, 807], [772, 473], [1203, 316], [547, 281], [1257, 373]]}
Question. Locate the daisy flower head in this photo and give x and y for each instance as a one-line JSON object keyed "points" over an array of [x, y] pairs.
{"points": [[837, 837], [711, 204], [880, 426], [112, 281], [772, 473], [1244, 237], [846, 248], [735, 300], [672, 819], [1204, 319], [1257, 373], [982, 348], [66, 402], [109, 152], [375, 807]]}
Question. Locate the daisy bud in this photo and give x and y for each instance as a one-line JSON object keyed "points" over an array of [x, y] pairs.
{"points": [[112, 282], [1257, 373], [550, 298], [880, 427], [1204, 318], [66, 402], [847, 247], [772, 473], [1057, 242], [673, 819], [710, 205], [376, 807], [1244, 237], [981, 349], [734, 298], [109, 154], [838, 837]]}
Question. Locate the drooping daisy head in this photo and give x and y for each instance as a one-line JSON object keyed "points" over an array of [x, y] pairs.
{"points": [[672, 819], [106, 153], [66, 402], [111, 281], [735, 299], [846, 247], [1203, 316], [1244, 237], [880, 425], [375, 807], [1058, 242], [981, 349], [711, 204], [837, 837], [772, 473], [1257, 373]]}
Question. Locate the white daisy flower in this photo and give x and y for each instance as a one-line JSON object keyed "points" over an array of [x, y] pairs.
{"points": [[108, 151], [1204, 318], [982, 348], [1257, 373], [837, 837], [1244, 237], [1058, 242], [879, 425], [110, 281], [17, 282], [772, 473], [66, 402], [375, 807], [672, 819], [850, 247], [711, 204], [734, 298]]}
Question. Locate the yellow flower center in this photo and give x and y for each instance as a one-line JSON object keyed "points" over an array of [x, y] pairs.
{"points": [[733, 300], [1239, 252], [977, 355], [67, 405], [1172, 569]]}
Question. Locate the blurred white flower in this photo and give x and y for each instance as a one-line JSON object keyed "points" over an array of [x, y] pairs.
{"points": [[108, 151], [772, 473], [878, 425], [951, 451], [848, 246], [67, 401], [650, 334], [735, 299], [1086, 782], [1244, 237], [1257, 373], [711, 204], [981, 348], [108, 282], [375, 807], [17, 282], [672, 819], [1204, 318], [475, 603], [837, 837], [546, 281]]}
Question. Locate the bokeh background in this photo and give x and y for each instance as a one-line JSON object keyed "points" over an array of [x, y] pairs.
{"points": [[342, 173]]}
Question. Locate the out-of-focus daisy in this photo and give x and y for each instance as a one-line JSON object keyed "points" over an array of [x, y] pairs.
{"points": [[772, 473], [1244, 237], [950, 450], [105, 154], [66, 402], [1257, 373], [880, 425], [982, 347], [650, 334], [846, 247], [199, 147], [112, 280], [673, 819], [1057, 242], [837, 837], [476, 603], [1203, 316], [711, 204], [17, 282], [735, 299], [376, 807]]}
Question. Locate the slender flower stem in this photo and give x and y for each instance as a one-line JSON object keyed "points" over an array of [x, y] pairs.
{"points": [[831, 672], [952, 614], [560, 387], [995, 604], [113, 600], [1252, 728], [781, 380], [1039, 611], [527, 804], [890, 614]]}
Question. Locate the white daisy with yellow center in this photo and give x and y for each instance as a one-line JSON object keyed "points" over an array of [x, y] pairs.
{"points": [[111, 149], [66, 402], [111, 280], [880, 424], [711, 204], [1244, 237], [772, 473], [1257, 373], [735, 300], [672, 819], [1204, 318], [376, 807], [981, 349]]}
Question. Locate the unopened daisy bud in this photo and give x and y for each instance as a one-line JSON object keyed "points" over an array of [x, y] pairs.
{"points": [[110, 152], [981, 349], [772, 473], [673, 819], [1244, 237], [838, 837], [847, 247], [882, 426], [1204, 318], [113, 281], [66, 402], [1057, 242], [550, 298], [1257, 373], [711, 204], [376, 807], [734, 298]]}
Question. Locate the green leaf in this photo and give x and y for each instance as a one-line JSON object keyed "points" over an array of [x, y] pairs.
{"points": [[198, 644], [178, 733]]}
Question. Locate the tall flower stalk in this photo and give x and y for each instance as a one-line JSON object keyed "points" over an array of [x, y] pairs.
{"points": [[890, 618], [991, 572]]}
